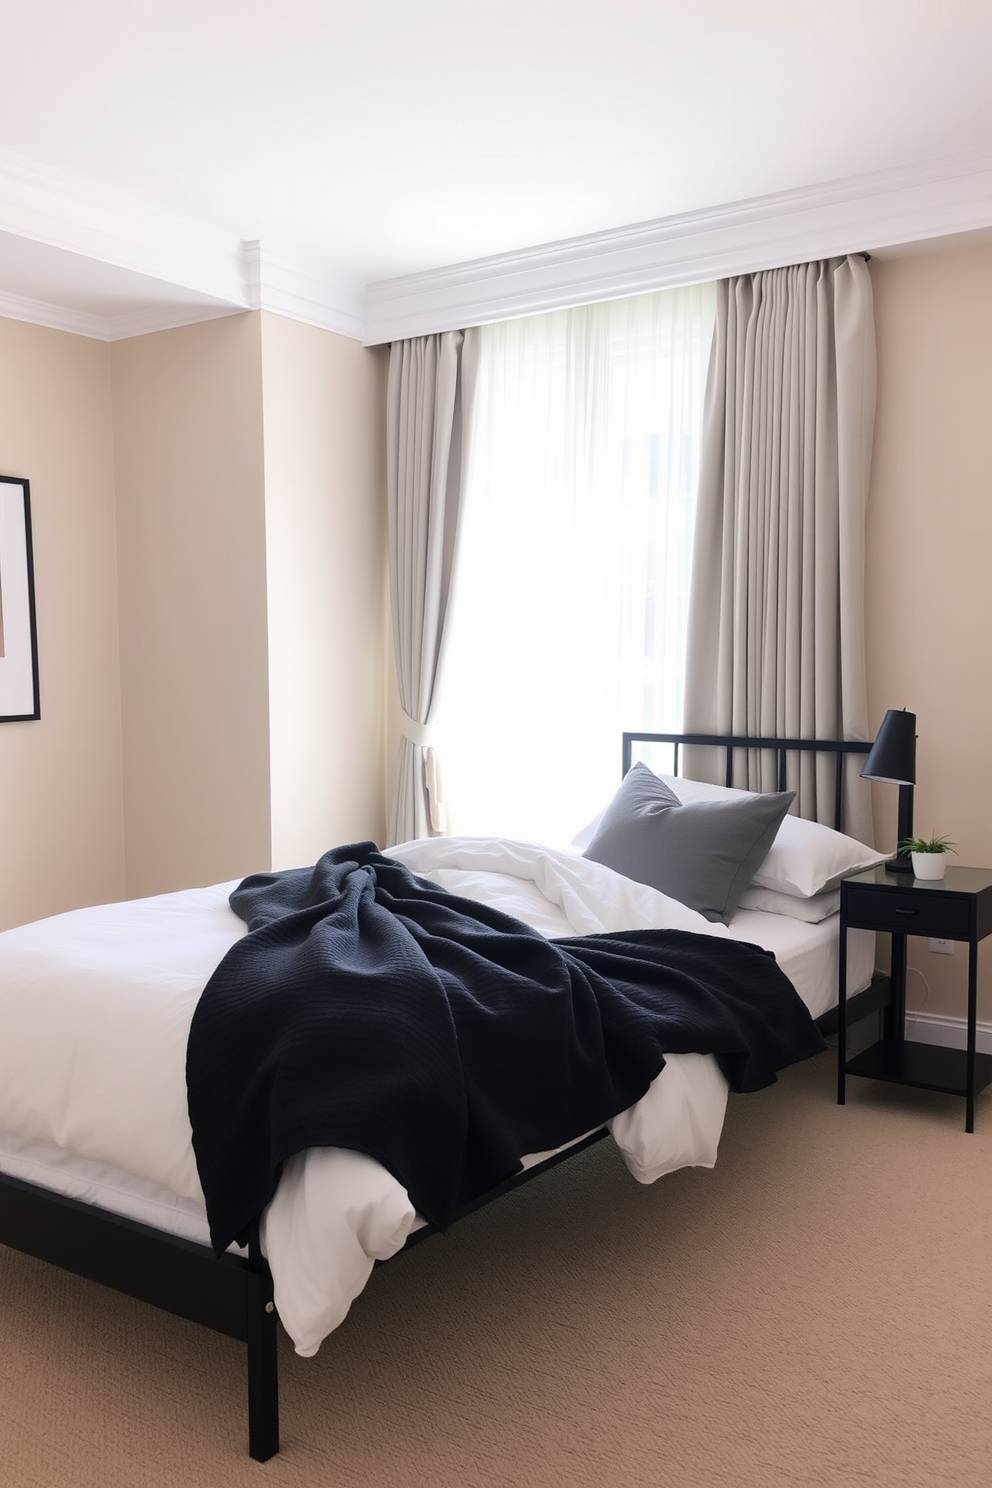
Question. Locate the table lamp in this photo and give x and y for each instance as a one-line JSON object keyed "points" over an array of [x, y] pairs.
{"points": [[892, 757]]}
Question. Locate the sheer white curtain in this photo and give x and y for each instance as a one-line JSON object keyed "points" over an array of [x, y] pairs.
{"points": [[570, 601]]}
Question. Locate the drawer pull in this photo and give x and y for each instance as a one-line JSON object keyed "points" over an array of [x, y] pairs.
{"points": [[905, 911]]}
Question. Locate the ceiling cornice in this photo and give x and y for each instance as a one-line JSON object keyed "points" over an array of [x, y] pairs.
{"points": [[191, 272], [53, 317], [874, 211], [163, 317], [301, 289], [73, 214]]}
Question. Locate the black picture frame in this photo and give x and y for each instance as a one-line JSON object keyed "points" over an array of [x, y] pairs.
{"points": [[19, 699]]}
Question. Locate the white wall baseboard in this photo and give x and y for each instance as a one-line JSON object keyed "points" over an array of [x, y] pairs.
{"points": [[948, 1033]]}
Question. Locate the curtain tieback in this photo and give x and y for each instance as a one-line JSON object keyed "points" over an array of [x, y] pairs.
{"points": [[418, 733], [424, 734]]}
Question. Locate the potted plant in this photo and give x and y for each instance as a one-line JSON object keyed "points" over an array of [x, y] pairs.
{"points": [[928, 855]]}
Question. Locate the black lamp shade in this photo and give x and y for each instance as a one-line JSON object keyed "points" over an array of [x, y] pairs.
{"points": [[892, 757]]}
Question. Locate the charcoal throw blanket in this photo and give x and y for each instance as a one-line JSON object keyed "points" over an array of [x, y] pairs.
{"points": [[367, 1008]]}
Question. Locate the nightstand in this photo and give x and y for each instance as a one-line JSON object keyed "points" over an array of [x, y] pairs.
{"points": [[956, 907]]}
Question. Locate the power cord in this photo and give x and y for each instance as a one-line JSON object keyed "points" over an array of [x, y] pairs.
{"points": [[911, 1018]]}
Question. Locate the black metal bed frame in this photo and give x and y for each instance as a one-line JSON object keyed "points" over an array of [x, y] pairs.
{"points": [[782, 748], [233, 1294]]}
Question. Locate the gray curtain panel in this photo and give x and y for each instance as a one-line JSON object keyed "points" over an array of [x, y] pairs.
{"points": [[776, 614], [431, 390]]}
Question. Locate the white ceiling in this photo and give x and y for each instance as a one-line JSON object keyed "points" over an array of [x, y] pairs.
{"points": [[146, 144]]}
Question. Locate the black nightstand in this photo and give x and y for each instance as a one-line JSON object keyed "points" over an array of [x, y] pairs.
{"points": [[956, 907]]}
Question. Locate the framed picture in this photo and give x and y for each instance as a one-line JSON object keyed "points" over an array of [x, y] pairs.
{"points": [[18, 633]]}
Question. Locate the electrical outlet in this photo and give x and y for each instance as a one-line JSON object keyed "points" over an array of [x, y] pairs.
{"points": [[941, 947]]}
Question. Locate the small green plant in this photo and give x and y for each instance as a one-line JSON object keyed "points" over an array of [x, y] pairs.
{"points": [[927, 845]]}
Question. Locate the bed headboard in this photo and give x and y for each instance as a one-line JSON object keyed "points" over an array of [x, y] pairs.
{"points": [[781, 748]]}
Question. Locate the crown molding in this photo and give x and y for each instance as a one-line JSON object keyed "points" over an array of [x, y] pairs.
{"points": [[80, 217], [221, 276], [53, 317], [873, 211], [163, 317], [303, 289], [66, 212]]}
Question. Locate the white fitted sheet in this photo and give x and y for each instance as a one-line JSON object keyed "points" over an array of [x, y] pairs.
{"points": [[92, 1090], [809, 954]]}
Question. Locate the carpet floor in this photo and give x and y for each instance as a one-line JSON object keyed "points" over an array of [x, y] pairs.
{"points": [[816, 1310]]}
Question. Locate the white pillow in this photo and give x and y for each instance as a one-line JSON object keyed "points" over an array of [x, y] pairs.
{"points": [[813, 910], [805, 859]]}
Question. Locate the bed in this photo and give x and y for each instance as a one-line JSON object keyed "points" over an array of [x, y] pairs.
{"points": [[102, 1001]]}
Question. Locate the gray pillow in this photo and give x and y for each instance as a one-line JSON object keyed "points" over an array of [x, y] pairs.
{"points": [[703, 853]]}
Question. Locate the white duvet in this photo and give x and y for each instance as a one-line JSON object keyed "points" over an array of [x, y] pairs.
{"points": [[95, 1007]]}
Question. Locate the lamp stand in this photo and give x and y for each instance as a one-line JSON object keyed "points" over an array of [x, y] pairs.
{"points": [[902, 862]]}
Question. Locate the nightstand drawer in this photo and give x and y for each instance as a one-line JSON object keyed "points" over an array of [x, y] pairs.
{"points": [[912, 913]]}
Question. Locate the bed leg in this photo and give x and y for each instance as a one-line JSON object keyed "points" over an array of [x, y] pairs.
{"points": [[263, 1377]]}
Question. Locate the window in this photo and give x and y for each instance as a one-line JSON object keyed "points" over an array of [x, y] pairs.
{"points": [[573, 572]]}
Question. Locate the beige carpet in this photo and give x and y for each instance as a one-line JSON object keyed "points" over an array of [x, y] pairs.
{"points": [[817, 1310]]}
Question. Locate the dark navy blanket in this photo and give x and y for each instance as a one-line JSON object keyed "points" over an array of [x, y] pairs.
{"points": [[366, 1008]]}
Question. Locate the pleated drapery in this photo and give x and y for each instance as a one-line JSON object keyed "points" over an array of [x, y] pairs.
{"points": [[429, 403], [776, 614]]}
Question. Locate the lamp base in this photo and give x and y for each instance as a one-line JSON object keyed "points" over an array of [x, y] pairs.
{"points": [[899, 864]]}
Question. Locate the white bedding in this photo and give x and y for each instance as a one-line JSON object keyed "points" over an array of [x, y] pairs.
{"points": [[93, 1094]]}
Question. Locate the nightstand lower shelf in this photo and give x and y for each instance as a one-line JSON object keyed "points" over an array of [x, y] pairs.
{"points": [[927, 1066]]}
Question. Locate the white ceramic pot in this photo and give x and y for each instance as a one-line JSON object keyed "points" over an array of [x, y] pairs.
{"points": [[929, 865]]}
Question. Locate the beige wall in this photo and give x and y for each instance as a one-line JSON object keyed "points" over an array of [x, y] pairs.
{"points": [[208, 707], [323, 411], [191, 539], [61, 829], [251, 499], [929, 570]]}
